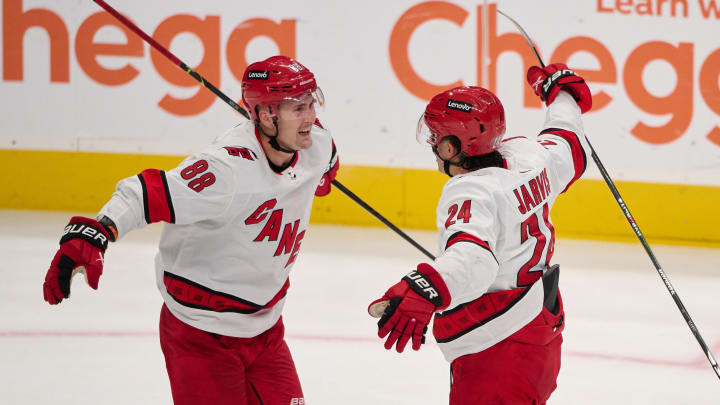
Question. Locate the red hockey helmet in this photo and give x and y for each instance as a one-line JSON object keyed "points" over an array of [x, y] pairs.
{"points": [[472, 114], [277, 79]]}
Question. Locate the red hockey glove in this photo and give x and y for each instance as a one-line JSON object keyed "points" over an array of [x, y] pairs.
{"points": [[408, 307], [81, 250], [548, 81], [325, 185]]}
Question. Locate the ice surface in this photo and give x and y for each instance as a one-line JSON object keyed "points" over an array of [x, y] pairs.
{"points": [[625, 340]]}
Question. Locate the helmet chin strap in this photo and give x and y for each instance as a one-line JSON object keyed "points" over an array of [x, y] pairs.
{"points": [[446, 167], [275, 145], [273, 138], [447, 163]]}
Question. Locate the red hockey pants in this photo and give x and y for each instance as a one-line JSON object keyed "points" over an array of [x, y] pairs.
{"points": [[520, 370], [206, 368]]}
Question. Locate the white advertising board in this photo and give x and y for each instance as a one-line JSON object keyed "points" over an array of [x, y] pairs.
{"points": [[72, 79]]}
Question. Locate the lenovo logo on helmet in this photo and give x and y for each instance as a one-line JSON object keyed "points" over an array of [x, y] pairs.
{"points": [[459, 105], [258, 75]]}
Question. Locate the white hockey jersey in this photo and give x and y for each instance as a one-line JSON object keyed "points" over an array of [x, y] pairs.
{"points": [[234, 228], [495, 232]]}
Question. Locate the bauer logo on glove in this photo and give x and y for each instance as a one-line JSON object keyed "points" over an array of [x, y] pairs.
{"points": [[86, 232], [556, 77], [406, 308], [82, 246], [423, 287]]}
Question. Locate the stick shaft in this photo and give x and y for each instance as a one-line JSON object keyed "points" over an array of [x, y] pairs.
{"points": [[626, 211], [381, 218], [174, 59], [633, 224], [524, 34], [150, 40]]}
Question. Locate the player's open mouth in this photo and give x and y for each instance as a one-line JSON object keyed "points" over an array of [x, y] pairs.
{"points": [[304, 133]]}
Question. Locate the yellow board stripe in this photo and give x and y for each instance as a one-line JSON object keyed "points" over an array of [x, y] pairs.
{"points": [[666, 213]]}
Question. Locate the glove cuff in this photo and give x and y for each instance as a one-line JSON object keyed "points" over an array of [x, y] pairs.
{"points": [[428, 283], [88, 229]]}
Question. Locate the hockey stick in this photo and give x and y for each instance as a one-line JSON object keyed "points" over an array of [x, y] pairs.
{"points": [[382, 219], [147, 38], [134, 28], [634, 226]]}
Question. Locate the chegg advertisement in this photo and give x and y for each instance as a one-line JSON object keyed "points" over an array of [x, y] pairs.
{"points": [[74, 78]]}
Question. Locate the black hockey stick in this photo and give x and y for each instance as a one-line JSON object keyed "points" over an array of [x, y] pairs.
{"points": [[134, 28], [382, 219], [150, 40], [634, 226]]}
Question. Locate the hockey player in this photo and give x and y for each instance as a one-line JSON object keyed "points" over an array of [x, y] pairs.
{"points": [[498, 315], [236, 214]]}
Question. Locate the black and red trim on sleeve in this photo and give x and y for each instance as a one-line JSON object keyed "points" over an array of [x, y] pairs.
{"points": [[578, 153], [464, 318], [157, 201], [334, 151], [466, 237], [194, 295], [333, 167]]}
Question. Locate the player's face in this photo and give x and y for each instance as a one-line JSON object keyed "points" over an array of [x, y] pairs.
{"points": [[295, 120]]}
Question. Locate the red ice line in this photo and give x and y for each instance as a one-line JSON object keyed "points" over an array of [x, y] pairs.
{"points": [[698, 362]]}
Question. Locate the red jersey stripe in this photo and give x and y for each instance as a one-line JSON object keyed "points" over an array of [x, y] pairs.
{"points": [[156, 196], [451, 324], [194, 295], [466, 237], [578, 154]]}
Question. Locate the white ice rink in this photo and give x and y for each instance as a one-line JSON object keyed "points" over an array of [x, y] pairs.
{"points": [[625, 340]]}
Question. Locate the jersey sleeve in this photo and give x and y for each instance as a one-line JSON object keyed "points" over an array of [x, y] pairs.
{"points": [[201, 187], [564, 138], [468, 232], [334, 163]]}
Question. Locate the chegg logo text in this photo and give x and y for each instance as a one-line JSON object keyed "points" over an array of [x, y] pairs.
{"points": [[16, 22], [681, 56]]}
